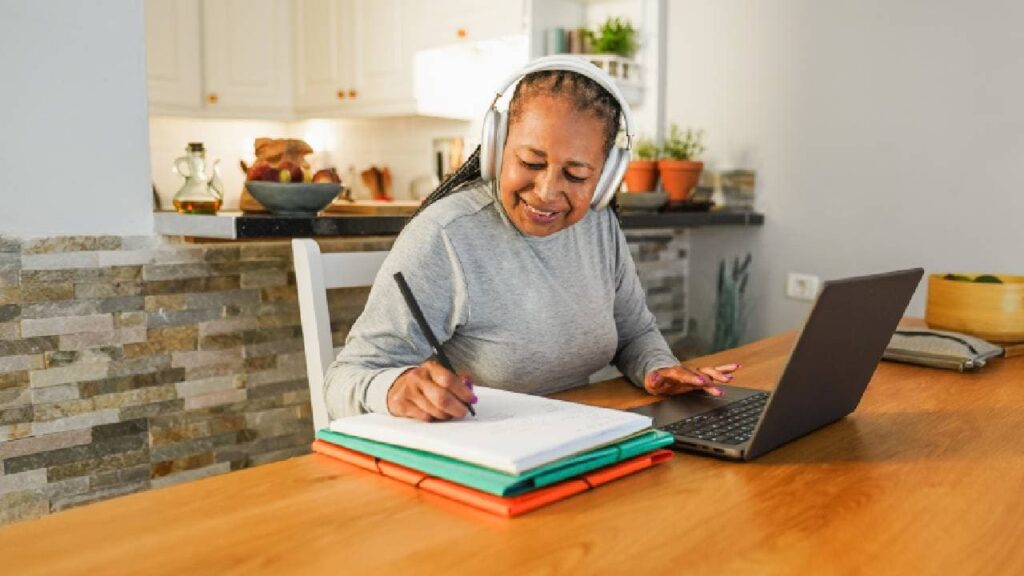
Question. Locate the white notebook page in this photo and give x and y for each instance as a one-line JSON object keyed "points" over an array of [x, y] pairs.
{"points": [[511, 432]]}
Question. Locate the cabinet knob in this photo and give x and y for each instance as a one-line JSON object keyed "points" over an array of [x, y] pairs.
{"points": [[341, 94], [461, 33], [212, 98], [351, 93]]}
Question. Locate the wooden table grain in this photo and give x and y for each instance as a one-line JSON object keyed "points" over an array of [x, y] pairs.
{"points": [[926, 477]]}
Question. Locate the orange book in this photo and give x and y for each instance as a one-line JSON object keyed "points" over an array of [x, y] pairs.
{"points": [[508, 506]]}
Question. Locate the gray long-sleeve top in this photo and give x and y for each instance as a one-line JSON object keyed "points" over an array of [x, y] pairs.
{"points": [[517, 312]]}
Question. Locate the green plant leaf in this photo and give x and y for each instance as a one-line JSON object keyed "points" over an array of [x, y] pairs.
{"points": [[645, 149], [615, 36], [683, 145]]}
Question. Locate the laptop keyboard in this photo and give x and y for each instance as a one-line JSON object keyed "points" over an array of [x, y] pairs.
{"points": [[729, 424]]}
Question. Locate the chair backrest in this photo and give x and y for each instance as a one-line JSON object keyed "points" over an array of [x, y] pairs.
{"points": [[314, 274]]}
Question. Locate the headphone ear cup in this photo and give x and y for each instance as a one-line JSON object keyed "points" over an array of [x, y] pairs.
{"points": [[500, 134], [488, 137], [611, 176]]}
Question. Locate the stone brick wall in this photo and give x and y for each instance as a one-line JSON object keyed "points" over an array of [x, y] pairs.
{"points": [[662, 263], [129, 363]]}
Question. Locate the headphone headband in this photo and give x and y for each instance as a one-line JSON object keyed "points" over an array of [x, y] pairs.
{"points": [[578, 65]]}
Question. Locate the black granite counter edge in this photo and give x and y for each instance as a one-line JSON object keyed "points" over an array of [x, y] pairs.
{"points": [[689, 219], [255, 226], [265, 226], [269, 226]]}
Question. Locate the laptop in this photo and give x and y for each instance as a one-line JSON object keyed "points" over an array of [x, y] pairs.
{"points": [[828, 370]]}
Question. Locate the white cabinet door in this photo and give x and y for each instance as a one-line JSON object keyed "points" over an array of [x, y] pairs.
{"points": [[382, 63], [323, 54], [173, 61], [353, 57], [247, 52]]}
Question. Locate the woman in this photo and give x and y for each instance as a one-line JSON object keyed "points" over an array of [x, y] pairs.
{"points": [[526, 286]]}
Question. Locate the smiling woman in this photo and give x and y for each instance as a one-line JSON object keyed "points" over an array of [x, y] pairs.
{"points": [[554, 156], [519, 267]]}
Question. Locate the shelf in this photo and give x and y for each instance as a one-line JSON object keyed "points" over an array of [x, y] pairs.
{"points": [[627, 73]]}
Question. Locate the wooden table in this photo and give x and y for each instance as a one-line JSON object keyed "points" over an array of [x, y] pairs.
{"points": [[926, 477]]}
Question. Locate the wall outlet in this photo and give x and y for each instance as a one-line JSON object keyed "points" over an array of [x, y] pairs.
{"points": [[802, 286]]}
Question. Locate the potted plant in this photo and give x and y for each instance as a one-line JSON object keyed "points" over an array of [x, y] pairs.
{"points": [[679, 168], [642, 172], [615, 36]]}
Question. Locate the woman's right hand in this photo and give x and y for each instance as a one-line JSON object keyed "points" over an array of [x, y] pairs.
{"points": [[430, 392]]}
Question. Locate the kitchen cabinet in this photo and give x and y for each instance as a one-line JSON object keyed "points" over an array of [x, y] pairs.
{"points": [[219, 58], [452, 21], [247, 57], [353, 57], [357, 58], [292, 59], [173, 61], [324, 46], [382, 64]]}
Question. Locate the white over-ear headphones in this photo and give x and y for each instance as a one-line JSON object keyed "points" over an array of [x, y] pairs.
{"points": [[495, 128]]}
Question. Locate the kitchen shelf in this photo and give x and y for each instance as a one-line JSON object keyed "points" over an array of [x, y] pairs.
{"points": [[239, 226]]}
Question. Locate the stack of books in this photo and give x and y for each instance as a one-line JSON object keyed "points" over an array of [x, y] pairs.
{"points": [[519, 452]]}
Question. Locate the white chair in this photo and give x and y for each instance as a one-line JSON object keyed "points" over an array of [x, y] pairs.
{"points": [[315, 273]]}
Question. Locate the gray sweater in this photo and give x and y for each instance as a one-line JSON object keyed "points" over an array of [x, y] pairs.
{"points": [[517, 312]]}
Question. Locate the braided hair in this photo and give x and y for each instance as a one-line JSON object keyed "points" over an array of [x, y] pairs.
{"points": [[467, 173], [585, 94]]}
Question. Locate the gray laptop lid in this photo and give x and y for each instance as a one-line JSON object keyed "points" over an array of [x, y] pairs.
{"points": [[836, 355]]}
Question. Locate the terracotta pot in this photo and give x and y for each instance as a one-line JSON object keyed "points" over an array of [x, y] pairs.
{"points": [[641, 175], [679, 177]]}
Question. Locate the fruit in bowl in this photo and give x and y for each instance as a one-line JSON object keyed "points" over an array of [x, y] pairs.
{"points": [[326, 175], [285, 172]]}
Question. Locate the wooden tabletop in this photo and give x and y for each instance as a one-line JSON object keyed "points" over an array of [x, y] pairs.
{"points": [[926, 477]]}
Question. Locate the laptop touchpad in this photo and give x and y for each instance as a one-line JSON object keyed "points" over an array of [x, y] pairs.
{"points": [[675, 408]]}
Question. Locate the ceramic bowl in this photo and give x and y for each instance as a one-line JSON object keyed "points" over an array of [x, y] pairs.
{"points": [[641, 201], [294, 199]]}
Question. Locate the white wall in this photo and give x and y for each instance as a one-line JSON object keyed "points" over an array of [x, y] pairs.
{"points": [[884, 135], [74, 157]]}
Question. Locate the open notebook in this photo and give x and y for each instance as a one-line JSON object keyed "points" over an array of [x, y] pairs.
{"points": [[511, 432]]}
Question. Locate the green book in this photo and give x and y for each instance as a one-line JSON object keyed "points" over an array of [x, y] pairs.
{"points": [[495, 481]]}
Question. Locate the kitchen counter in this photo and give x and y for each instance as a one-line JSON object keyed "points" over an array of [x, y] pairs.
{"points": [[239, 226]]}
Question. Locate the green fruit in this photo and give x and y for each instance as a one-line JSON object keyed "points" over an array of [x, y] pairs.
{"points": [[988, 279], [957, 277]]}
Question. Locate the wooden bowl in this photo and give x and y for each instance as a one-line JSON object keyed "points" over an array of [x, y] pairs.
{"points": [[994, 312]]}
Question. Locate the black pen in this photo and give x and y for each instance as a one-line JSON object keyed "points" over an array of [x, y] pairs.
{"points": [[422, 321]]}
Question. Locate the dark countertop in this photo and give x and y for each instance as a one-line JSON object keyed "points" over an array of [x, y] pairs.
{"points": [[238, 226]]}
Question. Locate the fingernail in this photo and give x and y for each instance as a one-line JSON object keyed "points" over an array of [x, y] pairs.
{"points": [[468, 383], [656, 378], [716, 391], [728, 377], [704, 379], [472, 399]]}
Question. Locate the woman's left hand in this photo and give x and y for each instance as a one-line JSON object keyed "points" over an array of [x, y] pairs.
{"points": [[678, 379]]}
